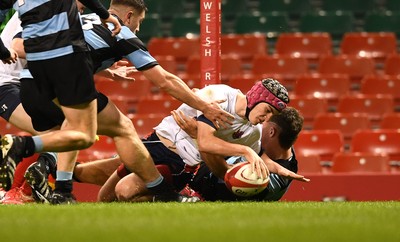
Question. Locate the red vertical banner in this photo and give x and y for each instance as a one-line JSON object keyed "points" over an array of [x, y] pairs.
{"points": [[210, 39]]}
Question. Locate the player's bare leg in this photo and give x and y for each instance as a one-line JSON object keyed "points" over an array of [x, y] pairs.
{"points": [[133, 153], [96, 172], [21, 120]]}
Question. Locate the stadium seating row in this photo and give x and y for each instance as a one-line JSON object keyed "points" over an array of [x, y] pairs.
{"points": [[311, 93], [299, 53], [325, 143], [348, 162], [375, 106], [312, 46]]}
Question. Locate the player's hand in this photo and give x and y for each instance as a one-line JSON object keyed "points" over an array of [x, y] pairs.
{"points": [[115, 22], [217, 115], [257, 164], [122, 73], [294, 176], [298, 177], [13, 57], [188, 124]]}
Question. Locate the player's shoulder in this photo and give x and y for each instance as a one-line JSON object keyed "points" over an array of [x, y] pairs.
{"points": [[215, 91]]}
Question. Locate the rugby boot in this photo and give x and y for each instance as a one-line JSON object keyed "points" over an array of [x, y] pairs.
{"points": [[17, 196], [59, 198], [13, 150]]}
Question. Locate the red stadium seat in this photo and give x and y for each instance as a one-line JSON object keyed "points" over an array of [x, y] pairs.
{"points": [[353, 66], [7, 128], [124, 90], [144, 123], [289, 68], [193, 81], [380, 141], [167, 62], [390, 121], [124, 106], [308, 107], [356, 162], [325, 86], [180, 48], [324, 143], [244, 82], [309, 164], [311, 46], [230, 66], [244, 46], [392, 63], [373, 105], [346, 123], [163, 105], [376, 45], [383, 84]]}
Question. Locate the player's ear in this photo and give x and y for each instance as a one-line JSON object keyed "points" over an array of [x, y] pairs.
{"points": [[128, 17], [272, 131]]}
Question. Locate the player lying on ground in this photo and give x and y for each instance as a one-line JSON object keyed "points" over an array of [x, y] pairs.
{"points": [[244, 134], [279, 134]]}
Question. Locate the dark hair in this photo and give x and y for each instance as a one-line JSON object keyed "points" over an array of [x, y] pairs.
{"points": [[138, 5], [290, 122]]}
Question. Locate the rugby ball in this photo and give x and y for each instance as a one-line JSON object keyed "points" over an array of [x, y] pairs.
{"points": [[242, 182]]}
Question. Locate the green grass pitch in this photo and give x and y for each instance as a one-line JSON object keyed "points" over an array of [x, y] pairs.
{"points": [[249, 221]]}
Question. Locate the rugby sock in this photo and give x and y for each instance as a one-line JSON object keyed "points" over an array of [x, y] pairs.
{"points": [[29, 146], [64, 182], [64, 186], [64, 175], [38, 143], [160, 186]]}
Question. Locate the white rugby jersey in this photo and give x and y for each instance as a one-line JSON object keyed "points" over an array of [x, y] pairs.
{"points": [[9, 73], [240, 132]]}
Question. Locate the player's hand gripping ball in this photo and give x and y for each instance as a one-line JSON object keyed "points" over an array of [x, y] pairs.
{"points": [[242, 182]]}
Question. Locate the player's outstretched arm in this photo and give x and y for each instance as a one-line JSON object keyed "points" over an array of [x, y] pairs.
{"points": [[282, 171]]}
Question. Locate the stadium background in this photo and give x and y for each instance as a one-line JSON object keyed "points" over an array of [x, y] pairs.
{"points": [[338, 58]]}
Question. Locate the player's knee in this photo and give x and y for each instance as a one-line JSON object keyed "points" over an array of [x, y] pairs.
{"points": [[122, 192], [82, 140], [89, 140]]}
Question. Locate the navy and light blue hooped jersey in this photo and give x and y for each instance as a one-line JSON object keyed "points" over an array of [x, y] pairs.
{"points": [[106, 49], [51, 28]]}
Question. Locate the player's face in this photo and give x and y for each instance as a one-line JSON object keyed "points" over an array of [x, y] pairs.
{"points": [[260, 113], [134, 21]]}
